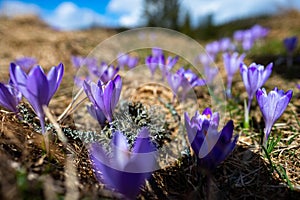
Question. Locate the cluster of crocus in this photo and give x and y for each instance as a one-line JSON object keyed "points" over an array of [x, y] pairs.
{"points": [[249, 36], [103, 71], [79, 61], [125, 170], [127, 60], [222, 45], [104, 98], [210, 145], [157, 59], [186, 79], [231, 63], [272, 106], [37, 87], [10, 97]]}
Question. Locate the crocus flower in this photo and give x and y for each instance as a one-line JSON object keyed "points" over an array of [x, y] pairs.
{"points": [[79, 61], [225, 44], [108, 73], [9, 97], [26, 62], [272, 106], [259, 31], [156, 51], [189, 81], [152, 63], [166, 65], [254, 77], [231, 63], [127, 60], [290, 43], [210, 145], [104, 97], [210, 74], [36, 87], [175, 81], [132, 62], [122, 59], [248, 40], [298, 86], [97, 114], [212, 49], [125, 170]]}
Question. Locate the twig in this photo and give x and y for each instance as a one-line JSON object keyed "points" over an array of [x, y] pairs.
{"points": [[69, 108]]}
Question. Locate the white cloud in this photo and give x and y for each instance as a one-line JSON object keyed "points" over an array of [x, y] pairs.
{"points": [[68, 16], [227, 10], [129, 12], [15, 8]]}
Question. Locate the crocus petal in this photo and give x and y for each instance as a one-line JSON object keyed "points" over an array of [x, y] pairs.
{"points": [[266, 73], [37, 85], [143, 142], [120, 151], [117, 91], [7, 99], [54, 78], [19, 78], [282, 104], [97, 114]]}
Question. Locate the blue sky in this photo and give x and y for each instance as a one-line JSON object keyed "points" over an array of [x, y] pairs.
{"points": [[72, 15]]}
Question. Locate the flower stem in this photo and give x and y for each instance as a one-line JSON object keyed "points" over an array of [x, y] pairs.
{"points": [[246, 114], [228, 89], [289, 59]]}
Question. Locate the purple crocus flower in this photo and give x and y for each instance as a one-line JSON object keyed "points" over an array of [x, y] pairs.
{"points": [[125, 170], [122, 60], [272, 106], [79, 61], [132, 62], [298, 86], [238, 35], [175, 81], [108, 72], [127, 60], [225, 44], [26, 63], [212, 49], [231, 63], [9, 97], [210, 74], [105, 97], [189, 81], [166, 65], [248, 40], [210, 145], [152, 63], [97, 114], [259, 31], [36, 87], [254, 77], [290, 43], [156, 51]]}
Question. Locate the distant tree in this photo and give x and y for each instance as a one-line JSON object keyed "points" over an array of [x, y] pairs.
{"points": [[186, 27], [162, 13]]}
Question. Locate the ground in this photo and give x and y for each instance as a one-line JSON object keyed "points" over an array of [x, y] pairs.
{"points": [[27, 171]]}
